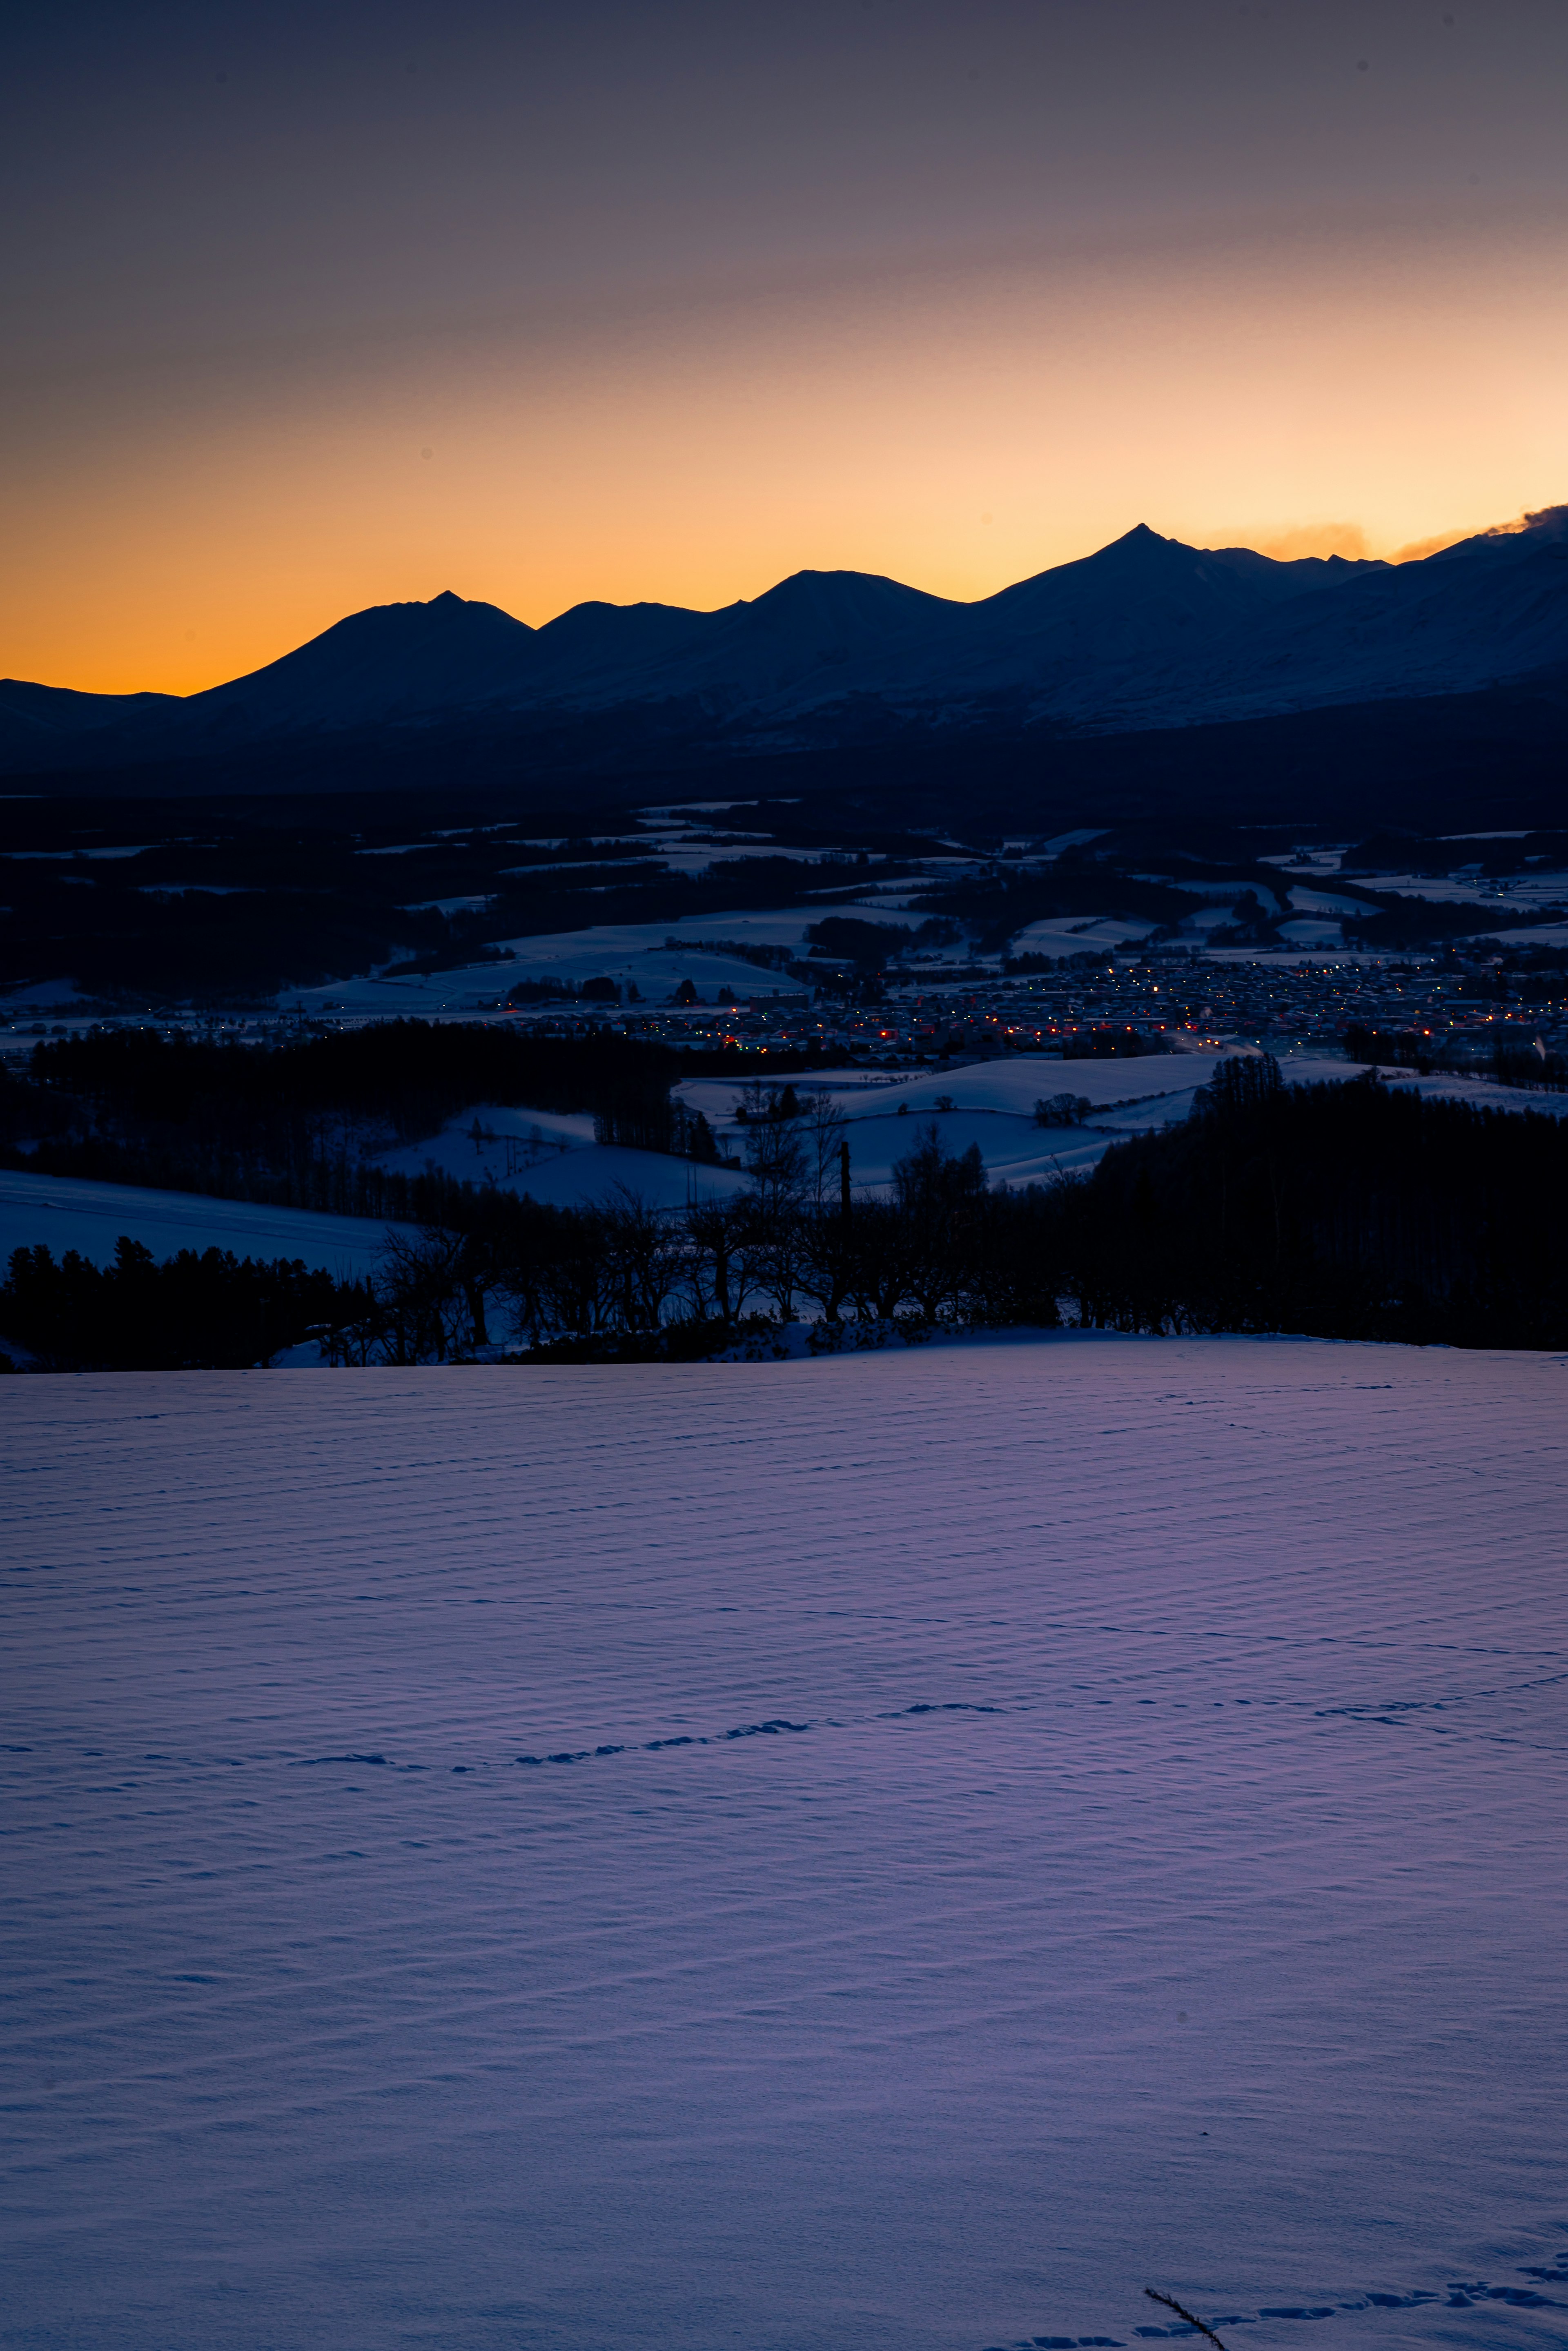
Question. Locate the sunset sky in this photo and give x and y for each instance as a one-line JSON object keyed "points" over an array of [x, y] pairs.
{"points": [[314, 308]]}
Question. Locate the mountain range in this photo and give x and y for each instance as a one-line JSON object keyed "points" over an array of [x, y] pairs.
{"points": [[1148, 633]]}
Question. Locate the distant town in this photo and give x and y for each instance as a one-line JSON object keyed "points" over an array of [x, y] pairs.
{"points": [[1088, 1006], [1091, 1006]]}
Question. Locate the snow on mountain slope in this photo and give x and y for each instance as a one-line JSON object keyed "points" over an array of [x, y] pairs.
{"points": [[1147, 632], [1489, 609], [1143, 599], [899, 1852], [822, 636]]}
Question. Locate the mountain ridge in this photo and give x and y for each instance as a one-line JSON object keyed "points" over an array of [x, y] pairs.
{"points": [[1144, 632]]}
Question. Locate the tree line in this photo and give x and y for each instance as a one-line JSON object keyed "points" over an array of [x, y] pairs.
{"points": [[292, 1123], [1356, 1210], [1510, 1061], [296, 1123], [1348, 1211]]}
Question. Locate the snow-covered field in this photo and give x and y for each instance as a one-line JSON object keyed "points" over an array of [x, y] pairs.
{"points": [[624, 952], [552, 1155], [993, 1105], [67, 1212], [636, 951], [899, 1852], [1071, 934]]}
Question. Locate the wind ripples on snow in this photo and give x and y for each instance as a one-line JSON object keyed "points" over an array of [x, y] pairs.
{"points": [[904, 1850]]}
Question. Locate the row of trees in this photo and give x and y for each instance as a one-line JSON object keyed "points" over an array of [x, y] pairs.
{"points": [[293, 1123], [297, 1124], [199, 1307], [1350, 1211], [1355, 1212], [942, 1248], [502, 1271]]}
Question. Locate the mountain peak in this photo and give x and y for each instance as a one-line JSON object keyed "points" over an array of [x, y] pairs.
{"points": [[1141, 544]]}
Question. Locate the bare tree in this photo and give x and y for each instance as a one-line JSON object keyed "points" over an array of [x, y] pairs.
{"points": [[776, 1163], [879, 1260], [721, 1259], [824, 1128], [643, 1249], [425, 1311], [827, 1261], [572, 1288]]}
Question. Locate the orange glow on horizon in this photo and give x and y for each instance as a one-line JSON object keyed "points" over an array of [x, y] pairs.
{"points": [[957, 430]]}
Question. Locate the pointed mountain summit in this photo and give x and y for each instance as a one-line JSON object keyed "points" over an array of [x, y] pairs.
{"points": [[1142, 599], [1489, 609]]}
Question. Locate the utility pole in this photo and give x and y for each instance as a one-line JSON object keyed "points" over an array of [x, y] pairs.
{"points": [[845, 1180]]}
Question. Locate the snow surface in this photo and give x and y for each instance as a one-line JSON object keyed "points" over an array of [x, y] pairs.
{"points": [[67, 1212], [1013, 1083], [1312, 930], [994, 1106], [1539, 935], [899, 1852], [418, 996], [552, 1155], [555, 1160], [636, 951], [604, 1172], [505, 1135], [1072, 934], [623, 951]]}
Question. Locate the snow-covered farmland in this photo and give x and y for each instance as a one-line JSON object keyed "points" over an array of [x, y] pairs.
{"points": [[897, 1852], [1071, 936], [67, 1212], [636, 951], [993, 1105], [552, 1155], [1012, 1083]]}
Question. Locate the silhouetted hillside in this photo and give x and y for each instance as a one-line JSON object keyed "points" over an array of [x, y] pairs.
{"points": [[1146, 633]]}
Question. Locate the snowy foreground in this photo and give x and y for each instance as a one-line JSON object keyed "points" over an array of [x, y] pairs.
{"points": [[900, 1851]]}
